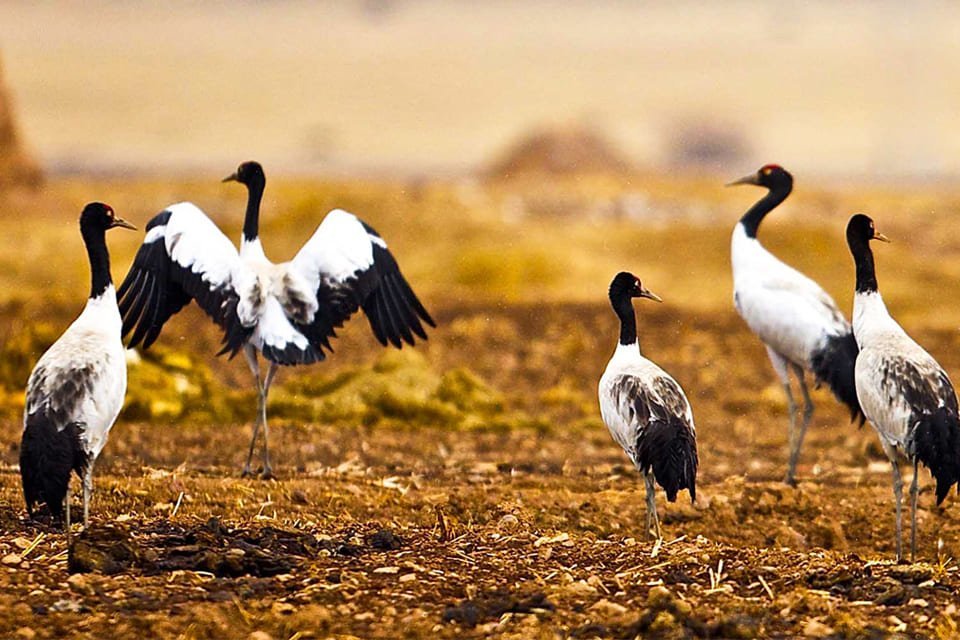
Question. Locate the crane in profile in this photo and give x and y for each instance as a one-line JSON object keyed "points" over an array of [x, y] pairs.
{"points": [[645, 409], [797, 321], [77, 387], [905, 394]]}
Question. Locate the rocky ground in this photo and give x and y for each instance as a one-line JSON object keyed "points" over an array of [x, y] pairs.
{"points": [[526, 525]]}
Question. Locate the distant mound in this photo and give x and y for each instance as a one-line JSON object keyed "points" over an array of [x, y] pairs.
{"points": [[560, 150], [16, 166]]}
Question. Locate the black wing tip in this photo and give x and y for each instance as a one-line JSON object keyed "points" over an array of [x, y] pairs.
{"points": [[669, 448], [291, 355], [935, 441], [47, 457], [834, 364]]}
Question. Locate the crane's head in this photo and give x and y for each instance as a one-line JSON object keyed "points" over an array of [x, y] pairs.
{"points": [[861, 229], [98, 215], [627, 285], [248, 173], [771, 176]]}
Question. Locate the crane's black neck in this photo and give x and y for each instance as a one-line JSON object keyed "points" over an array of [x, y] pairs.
{"points": [[95, 239], [623, 307], [863, 259], [251, 221], [754, 216]]}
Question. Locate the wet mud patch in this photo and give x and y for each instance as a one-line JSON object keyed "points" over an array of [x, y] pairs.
{"points": [[214, 548]]}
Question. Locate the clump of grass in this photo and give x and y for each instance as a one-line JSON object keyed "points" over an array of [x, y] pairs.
{"points": [[401, 389], [506, 272], [167, 385]]}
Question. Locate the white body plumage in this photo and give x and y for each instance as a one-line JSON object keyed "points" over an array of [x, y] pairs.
{"points": [[789, 312], [626, 373], [891, 370], [82, 377]]}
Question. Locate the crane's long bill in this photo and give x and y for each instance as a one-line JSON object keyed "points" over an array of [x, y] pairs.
{"points": [[120, 222], [646, 293], [750, 179]]}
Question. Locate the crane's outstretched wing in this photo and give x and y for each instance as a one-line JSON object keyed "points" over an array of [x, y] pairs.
{"points": [[184, 257], [348, 266]]}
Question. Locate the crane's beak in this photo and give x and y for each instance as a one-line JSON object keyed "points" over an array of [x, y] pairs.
{"points": [[120, 222], [646, 293], [750, 179], [879, 236], [233, 177]]}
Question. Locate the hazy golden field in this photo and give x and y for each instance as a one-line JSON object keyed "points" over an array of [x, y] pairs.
{"points": [[467, 488]]}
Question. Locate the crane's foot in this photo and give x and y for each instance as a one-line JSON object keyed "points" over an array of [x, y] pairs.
{"points": [[790, 480], [247, 472], [267, 474]]}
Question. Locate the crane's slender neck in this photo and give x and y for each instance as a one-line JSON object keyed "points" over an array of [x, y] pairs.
{"points": [[96, 242], [623, 307], [251, 221], [754, 216], [863, 259]]}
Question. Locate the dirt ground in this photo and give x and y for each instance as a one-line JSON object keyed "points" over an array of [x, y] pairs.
{"points": [[412, 530]]}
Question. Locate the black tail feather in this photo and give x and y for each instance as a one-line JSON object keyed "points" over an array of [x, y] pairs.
{"points": [[834, 365], [47, 456], [670, 449], [935, 441]]}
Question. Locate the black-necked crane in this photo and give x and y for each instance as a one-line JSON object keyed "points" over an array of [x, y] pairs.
{"points": [[289, 311], [645, 409], [905, 394], [797, 321], [77, 387]]}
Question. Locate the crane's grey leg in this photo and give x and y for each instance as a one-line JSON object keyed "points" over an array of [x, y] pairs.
{"points": [[898, 496], [87, 492], [68, 511], [267, 469], [796, 440], [914, 491], [251, 355], [652, 517], [780, 366]]}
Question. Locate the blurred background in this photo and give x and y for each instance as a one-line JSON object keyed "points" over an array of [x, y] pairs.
{"points": [[858, 89], [515, 156]]}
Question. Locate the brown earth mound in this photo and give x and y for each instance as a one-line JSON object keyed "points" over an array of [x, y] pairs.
{"points": [[16, 165], [560, 151]]}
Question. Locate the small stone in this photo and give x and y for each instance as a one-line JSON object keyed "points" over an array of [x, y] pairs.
{"points": [[787, 536], [659, 597], [542, 540], [66, 606], [408, 577], [604, 607], [682, 609], [816, 629], [387, 570], [282, 608], [79, 583], [11, 559], [259, 635], [663, 625], [25, 633], [581, 588], [508, 523], [22, 543]]}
